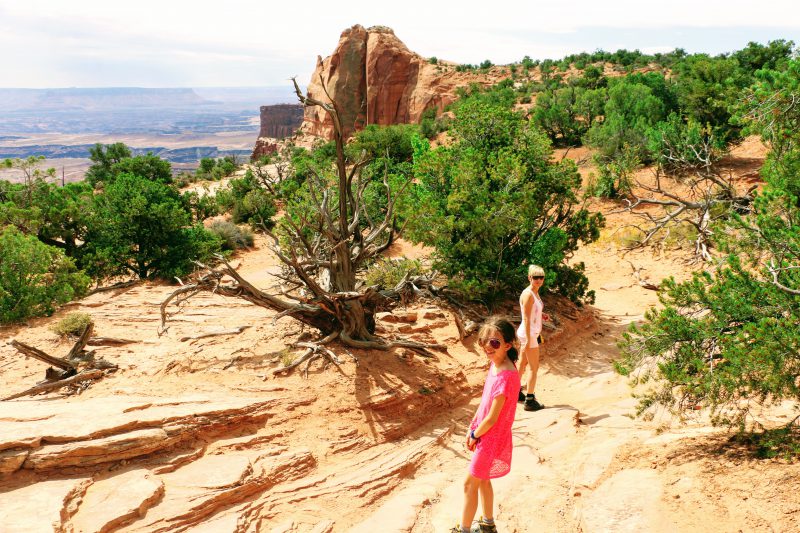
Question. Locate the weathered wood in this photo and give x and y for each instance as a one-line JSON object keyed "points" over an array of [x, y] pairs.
{"points": [[81, 342], [47, 387], [121, 285], [36, 353], [234, 331], [109, 341]]}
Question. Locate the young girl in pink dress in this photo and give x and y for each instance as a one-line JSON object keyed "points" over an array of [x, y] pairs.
{"points": [[489, 433]]}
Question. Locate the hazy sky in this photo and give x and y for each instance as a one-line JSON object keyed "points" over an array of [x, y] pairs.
{"points": [[178, 43]]}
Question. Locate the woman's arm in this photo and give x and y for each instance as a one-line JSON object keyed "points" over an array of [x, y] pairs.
{"points": [[527, 307]]}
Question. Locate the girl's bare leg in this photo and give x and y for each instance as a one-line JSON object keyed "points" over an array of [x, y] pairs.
{"points": [[487, 498], [471, 486]]}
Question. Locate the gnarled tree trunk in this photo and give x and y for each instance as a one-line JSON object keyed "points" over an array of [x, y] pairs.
{"points": [[343, 239]]}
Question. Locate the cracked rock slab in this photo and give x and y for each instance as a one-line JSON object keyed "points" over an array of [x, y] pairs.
{"points": [[39, 508], [113, 502], [97, 451], [11, 460]]}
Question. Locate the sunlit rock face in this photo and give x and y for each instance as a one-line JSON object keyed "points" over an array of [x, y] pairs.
{"points": [[375, 79]]}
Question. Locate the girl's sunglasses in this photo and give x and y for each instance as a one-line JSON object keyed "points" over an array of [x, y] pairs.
{"points": [[537, 277], [494, 343]]}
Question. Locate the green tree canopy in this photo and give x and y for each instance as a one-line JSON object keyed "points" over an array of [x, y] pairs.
{"points": [[631, 109], [34, 277], [103, 158], [143, 227], [493, 202], [730, 337]]}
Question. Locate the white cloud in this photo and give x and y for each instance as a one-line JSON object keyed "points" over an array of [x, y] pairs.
{"points": [[45, 42]]}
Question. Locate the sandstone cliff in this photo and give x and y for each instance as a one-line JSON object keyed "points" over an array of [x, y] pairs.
{"points": [[280, 120], [376, 79], [277, 122]]}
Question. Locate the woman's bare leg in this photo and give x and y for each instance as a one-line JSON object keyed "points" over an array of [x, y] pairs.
{"points": [[532, 356]]}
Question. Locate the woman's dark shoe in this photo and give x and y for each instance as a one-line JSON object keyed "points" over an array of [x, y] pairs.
{"points": [[521, 397], [531, 404]]}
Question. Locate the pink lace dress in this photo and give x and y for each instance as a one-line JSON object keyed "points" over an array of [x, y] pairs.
{"points": [[492, 457]]}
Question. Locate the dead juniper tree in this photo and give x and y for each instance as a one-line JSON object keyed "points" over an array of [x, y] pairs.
{"points": [[271, 171], [690, 188], [323, 243]]}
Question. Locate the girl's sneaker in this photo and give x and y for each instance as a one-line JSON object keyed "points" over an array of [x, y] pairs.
{"points": [[485, 527]]}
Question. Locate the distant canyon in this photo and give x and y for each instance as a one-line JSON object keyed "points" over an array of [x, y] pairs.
{"points": [[181, 125]]}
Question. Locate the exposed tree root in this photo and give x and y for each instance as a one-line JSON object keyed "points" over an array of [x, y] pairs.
{"points": [[314, 350], [379, 344]]}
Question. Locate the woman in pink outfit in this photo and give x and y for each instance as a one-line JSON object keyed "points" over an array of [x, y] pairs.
{"points": [[489, 433]]}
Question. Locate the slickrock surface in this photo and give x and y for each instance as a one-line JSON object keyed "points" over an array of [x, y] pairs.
{"points": [[49, 436], [110, 503], [42, 507]]}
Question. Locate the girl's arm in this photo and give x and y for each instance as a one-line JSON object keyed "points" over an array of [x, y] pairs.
{"points": [[469, 430], [492, 416]]}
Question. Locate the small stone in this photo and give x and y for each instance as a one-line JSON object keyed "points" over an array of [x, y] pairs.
{"points": [[408, 317]]}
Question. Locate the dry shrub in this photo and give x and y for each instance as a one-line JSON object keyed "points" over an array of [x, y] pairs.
{"points": [[72, 324]]}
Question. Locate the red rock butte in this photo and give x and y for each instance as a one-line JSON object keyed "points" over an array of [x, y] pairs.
{"points": [[375, 79]]}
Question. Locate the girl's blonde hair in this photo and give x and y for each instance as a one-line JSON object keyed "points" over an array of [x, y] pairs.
{"points": [[535, 270]]}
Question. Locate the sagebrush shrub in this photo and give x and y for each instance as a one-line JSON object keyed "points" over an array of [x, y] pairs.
{"points": [[387, 273], [232, 236], [72, 324]]}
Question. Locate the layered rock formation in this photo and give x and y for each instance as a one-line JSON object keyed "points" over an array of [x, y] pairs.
{"points": [[277, 122], [375, 79], [280, 120]]}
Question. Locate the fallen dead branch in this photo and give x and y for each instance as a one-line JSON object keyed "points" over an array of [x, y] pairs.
{"points": [[77, 355], [115, 286], [36, 353], [644, 283], [234, 331], [80, 344], [109, 341], [54, 385]]}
